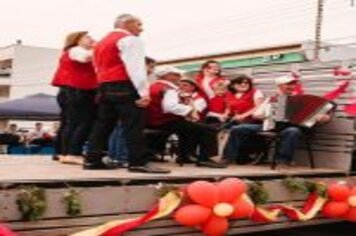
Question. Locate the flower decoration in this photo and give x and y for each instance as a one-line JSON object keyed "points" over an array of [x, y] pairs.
{"points": [[213, 204], [342, 202]]}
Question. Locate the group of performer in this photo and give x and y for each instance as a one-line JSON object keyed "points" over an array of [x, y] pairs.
{"points": [[106, 99]]}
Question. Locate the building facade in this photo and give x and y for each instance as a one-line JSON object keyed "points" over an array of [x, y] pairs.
{"points": [[26, 70]]}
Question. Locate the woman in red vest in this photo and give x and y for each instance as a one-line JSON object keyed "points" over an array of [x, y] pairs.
{"points": [[210, 73], [243, 99], [76, 78]]}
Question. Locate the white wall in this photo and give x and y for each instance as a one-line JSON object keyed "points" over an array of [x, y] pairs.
{"points": [[7, 52], [33, 69]]}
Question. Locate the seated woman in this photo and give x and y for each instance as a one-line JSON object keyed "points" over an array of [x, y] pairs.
{"points": [[243, 100]]}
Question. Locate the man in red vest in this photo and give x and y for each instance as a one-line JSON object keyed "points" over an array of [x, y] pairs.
{"points": [[167, 112], [119, 59]]}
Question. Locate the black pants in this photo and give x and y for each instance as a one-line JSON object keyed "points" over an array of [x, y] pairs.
{"points": [[80, 116], [62, 100], [192, 135], [117, 101]]}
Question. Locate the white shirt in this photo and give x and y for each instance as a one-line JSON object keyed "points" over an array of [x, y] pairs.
{"points": [[263, 109], [133, 55], [171, 101], [36, 134], [199, 104], [80, 54]]}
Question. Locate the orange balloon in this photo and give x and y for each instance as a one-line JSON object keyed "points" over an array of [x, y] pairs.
{"points": [[351, 215], [338, 192], [203, 193], [335, 209], [216, 226], [243, 209], [231, 189], [192, 215]]}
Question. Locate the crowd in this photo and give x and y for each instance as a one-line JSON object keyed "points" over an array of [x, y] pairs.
{"points": [[108, 101], [38, 136]]}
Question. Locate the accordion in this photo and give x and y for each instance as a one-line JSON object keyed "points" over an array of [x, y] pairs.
{"points": [[301, 110]]}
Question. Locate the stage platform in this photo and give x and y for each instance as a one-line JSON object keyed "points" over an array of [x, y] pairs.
{"points": [[37, 169], [118, 194]]}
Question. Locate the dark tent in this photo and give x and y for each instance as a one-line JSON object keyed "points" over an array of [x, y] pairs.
{"points": [[35, 107]]}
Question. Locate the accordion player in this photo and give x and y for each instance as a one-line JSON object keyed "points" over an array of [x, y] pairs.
{"points": [[299, 110]]}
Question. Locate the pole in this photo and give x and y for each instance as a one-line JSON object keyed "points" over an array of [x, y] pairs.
{"points": [[318, 28]]}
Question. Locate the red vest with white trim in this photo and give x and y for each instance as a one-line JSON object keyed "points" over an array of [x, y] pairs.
{"points": [[218, 104], [155, 114], [107, 59], [243, 104], [75, 74]]}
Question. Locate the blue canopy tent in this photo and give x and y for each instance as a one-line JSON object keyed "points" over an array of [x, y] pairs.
{"points": [[34, 107]]}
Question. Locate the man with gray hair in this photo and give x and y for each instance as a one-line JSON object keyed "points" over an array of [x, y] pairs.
{"points": [[119, 59]]}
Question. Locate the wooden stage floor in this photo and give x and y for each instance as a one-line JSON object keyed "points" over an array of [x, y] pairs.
{"points": [[36, 169]]}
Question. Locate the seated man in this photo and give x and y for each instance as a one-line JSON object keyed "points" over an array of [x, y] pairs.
{"points": [[11, 136], [39, 136], [289, 134], [167, 113]]}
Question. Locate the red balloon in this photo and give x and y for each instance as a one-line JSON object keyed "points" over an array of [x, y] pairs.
{"points": [[335, 209], [243, 209], [192, 215], [351, 215], [203, 193], [338, 192], [353, 191], [231, 189], [216, 226]]}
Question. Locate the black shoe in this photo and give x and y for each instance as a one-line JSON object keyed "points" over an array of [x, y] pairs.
{"points": [[97, 166], [212, 164], [148, 169], [55, 158]]}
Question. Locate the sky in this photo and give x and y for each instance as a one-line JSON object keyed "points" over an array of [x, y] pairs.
{"points": [[180, 28]]}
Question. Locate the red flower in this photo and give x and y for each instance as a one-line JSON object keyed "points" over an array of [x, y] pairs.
{"points": [[342, 202], [213, 204]]}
